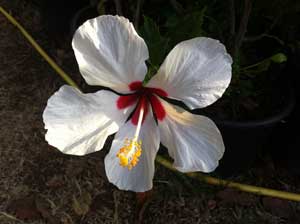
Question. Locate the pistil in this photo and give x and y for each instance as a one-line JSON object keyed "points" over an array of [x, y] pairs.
{"points": [[131, 151]]}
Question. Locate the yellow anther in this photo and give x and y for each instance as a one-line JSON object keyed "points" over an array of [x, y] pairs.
{"points": [[129, 154], [123, 160], [131, 151]]}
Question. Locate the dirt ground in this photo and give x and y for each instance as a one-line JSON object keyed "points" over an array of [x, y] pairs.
{"points": [[38, 184]]}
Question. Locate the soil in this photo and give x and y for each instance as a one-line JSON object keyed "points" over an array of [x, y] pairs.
{"points": [[38, 184]]}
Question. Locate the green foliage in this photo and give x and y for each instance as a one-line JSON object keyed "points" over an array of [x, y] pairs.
{"points": [[185, 27], [177, 29], [157, 44]]}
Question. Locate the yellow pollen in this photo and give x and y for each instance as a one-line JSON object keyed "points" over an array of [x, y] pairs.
{"points": [[129, 154]]}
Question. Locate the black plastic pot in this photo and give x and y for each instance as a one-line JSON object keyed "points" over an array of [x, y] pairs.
{"points": [[245, 139], [285, 142]]}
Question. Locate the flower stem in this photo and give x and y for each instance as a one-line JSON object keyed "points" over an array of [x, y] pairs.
{"points": [[38, 48], [254, 65], [225, 183], [161, 160]]}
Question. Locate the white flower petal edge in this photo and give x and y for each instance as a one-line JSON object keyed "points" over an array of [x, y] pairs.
{"points": [[193, 141], [110, 53], [79, 123], [196, 71], [139, 178]]}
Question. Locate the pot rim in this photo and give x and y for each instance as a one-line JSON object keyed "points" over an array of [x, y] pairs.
{"points": [[270, 121]]}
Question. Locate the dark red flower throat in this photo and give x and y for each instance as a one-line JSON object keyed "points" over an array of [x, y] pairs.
{"points": [[144, 96]]}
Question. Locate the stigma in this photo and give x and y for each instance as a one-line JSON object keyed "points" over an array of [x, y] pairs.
{"points": [[131, 151], [129, 154]]}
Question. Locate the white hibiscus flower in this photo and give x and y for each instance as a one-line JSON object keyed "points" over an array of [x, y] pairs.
{"points": [[110, 53]]}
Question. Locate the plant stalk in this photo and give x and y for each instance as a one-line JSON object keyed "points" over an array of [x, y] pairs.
{"points": [[232, 18], [242, 28], [138, 13], [50, 61], [118, 7], [225, 183]]}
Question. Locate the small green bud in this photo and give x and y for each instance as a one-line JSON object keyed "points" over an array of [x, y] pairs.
{"points": [[279, 58]]}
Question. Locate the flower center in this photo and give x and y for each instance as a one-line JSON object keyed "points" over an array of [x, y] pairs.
{"points": [[132, 149], [144, 96]]}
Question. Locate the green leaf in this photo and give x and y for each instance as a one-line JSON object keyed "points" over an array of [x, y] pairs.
{"points": [[279, 58], [152, 70], [157, 44]]}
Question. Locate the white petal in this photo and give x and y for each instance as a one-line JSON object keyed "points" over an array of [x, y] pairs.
{"points": [[193, 141], [196, 71], [110, 53], [139, 178], [79, 123]]}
